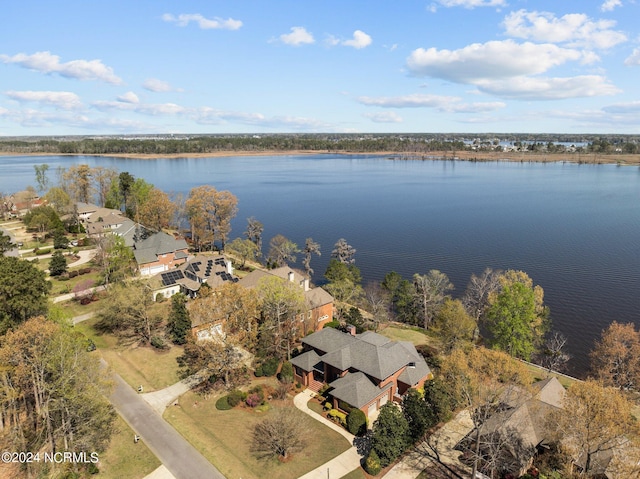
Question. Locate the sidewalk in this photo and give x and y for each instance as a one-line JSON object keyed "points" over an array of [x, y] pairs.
{"points": [[340, 465]]}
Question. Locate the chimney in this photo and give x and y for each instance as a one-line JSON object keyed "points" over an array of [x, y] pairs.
{"points": [[290, 275], [351, 329], [229, 266], [304, 284]]}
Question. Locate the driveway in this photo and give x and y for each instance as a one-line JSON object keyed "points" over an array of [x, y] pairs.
{"points": [[179, 457]]}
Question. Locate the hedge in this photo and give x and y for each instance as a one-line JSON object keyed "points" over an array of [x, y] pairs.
{"points": [[338, 416]]}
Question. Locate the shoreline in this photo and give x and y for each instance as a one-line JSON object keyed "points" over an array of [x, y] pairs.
{"points": [[474, 156]]}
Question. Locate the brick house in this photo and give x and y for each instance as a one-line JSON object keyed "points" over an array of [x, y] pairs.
{"points": [[318, 301], [363, 371], [159, 252]]}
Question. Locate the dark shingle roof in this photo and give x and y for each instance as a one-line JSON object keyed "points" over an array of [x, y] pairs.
{"points": [[306, 361], [356, 389]]}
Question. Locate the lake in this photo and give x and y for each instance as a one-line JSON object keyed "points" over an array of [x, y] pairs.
{"points": [[575, 229]]}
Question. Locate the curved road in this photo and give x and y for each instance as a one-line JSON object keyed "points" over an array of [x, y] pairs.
{"points": [[177, 455]]}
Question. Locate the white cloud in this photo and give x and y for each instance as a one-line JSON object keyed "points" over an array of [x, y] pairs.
{"points": [[63, 100], [442, 103], [609, 5], [634, 58], [632, 107], [45, 62], [535, 88], [157, 86], [491, 60], [472, 3], [217, 23], [298, 36], [359, 40], [574, 29], [129, 97], [384, 117]]}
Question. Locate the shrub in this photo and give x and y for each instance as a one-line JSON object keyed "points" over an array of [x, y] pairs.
{"points": [[253, 400], [156, 341], [286, 372], [328, 406], [258, 372], [269, 367], [356, 422], [372, 464], [86, 270], [73, 274], [338, 417], [235, 397]]}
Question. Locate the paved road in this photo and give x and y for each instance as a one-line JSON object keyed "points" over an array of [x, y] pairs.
{"points": [[13, 251], [177, 455]]}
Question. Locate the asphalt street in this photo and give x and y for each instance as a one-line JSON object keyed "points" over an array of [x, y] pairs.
{"points": [[177, 455]]}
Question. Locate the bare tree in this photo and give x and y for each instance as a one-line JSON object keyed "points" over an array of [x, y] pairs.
{"points": [[254, 233], [281, 434], [282, 250], [378, 303], [430, 292], [553, 356], [310, 247], [344, 252], [476, 296]]}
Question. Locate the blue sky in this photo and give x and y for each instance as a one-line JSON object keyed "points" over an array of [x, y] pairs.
{"points": [[152, 66]]}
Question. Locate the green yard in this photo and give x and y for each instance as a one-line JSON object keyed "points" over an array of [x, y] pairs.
{"points": [[123, 458], [224, 438], [414, 335], [153, 369]]}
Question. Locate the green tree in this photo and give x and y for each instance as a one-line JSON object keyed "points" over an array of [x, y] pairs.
{"points": [[59, 200], [244, 249], [454, 326], [417, 413], [23, 292], [115, 259], [179, 323], [516, 317], [58, 264], [343, 281], [41, 177], [127, 313], [356, 422], [125, 185], [60, 240], [390, 434], [401, 294], [52, 393], [5, 243]]}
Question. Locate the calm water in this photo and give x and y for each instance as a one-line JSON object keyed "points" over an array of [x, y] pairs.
{"points": [[575, 229]]}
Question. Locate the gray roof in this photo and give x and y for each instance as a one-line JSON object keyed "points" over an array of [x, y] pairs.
{"points": [[370, 353], [306, 361], [356, 389], [317, 297], [148, 249], [328, 339]]}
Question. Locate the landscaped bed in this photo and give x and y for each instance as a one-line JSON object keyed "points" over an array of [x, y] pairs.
{"points": [[225, 438]]}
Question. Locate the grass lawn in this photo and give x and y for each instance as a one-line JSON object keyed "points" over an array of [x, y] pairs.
{"points": [[224, 438], [406, 333], [74, 308], [63, 287], [355, 474], [146, 366], [540, 373], [123, 458]]}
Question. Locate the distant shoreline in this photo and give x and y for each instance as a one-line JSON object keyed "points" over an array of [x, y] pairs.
{"points": [[474, 156]]}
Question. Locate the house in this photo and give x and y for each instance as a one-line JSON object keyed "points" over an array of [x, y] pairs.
{"points": [[363, 371], [189, 276], [319, 303], [157, 252], [524, 422], [104, 221]]}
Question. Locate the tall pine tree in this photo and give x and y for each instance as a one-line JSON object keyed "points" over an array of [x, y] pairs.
{"points": [[179, 321]]}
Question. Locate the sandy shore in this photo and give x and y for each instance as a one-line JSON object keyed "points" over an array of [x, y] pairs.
{"points": [[582, 158]]}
